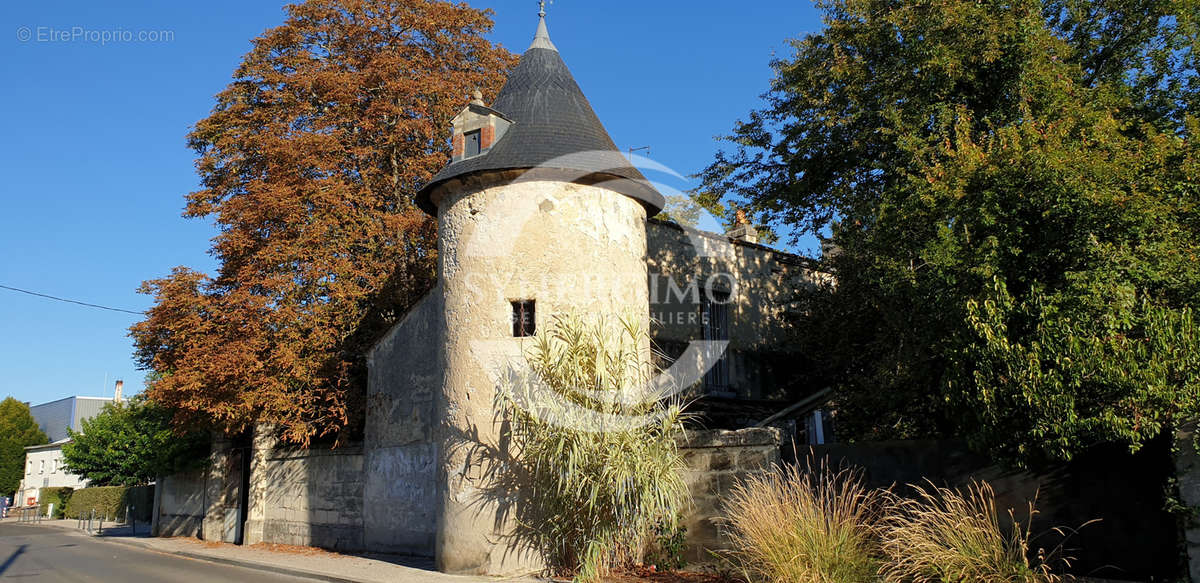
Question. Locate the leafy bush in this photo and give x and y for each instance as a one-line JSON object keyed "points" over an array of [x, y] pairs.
{"points": [[947, 535], [58, 496], [805, 525], [665, 550], [111, 502], [594, 458], [131, 444]]}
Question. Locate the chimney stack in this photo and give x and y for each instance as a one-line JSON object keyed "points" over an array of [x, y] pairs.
{"points": [[743, 231], [117, 392]]}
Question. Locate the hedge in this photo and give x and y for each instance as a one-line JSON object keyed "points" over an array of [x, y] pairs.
{"points": [[58, 496], [110, 502]]}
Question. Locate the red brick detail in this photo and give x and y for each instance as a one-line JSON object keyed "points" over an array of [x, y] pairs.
{"points": [[487, 135], [456, 145]]}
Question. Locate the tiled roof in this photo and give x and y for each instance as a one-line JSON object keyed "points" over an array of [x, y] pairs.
{"points": [[555, 128]]}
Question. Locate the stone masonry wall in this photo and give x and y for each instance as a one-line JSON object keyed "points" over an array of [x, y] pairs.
{"points": [[180, 504], [717, 460], [308, 497], [203, 502], [400, 487], [222, 488]]}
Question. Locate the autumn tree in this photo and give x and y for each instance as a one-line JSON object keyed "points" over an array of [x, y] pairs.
{"points": [[18, 430], [1012, 188], [309, 163]]}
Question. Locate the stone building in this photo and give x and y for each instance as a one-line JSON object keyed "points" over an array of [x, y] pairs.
{"points": [[539, 214]]}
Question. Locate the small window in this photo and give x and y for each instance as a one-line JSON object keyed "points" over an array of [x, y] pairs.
{"points": [[472, 143], [42, 467], [523, 319]]}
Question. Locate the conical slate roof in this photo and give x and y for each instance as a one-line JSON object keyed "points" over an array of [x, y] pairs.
{"points": [[555, 128]]}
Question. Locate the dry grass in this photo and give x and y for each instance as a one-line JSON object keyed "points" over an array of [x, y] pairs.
{"points": [[944, 535], [797, 525]]}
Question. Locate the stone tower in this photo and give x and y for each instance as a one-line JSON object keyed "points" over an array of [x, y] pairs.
{"points": [[538, 214]]}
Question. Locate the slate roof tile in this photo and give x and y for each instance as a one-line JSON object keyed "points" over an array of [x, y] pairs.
{"points": [[555, 127]]}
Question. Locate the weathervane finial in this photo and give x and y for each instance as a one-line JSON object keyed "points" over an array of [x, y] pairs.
{"points": [[541, 40]]}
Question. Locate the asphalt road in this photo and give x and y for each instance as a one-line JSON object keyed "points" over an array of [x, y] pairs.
{"points": [[38, 553]]}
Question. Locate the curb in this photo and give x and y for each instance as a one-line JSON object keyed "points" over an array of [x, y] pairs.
{"points": [[142, 542], [231, 562]]}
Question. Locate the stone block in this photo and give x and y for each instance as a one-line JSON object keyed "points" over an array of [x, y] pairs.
{"points": [[703, 483], [732, 438], [720, 459], [756, 458]]}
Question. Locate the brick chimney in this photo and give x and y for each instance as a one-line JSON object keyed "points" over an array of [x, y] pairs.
{"points": [[117, 392]]}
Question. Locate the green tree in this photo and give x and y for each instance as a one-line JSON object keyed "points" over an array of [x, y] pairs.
{"points": [[131, 444], [18, 430], [1013, 190]]}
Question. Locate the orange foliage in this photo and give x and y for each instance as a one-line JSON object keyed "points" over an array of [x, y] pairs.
{"points": [[309, 165]]}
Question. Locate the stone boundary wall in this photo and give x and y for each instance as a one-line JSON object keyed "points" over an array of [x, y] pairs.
{"points": [[305, 497], [315, 498], [404, 381], [179, 505], [297, 497], [716, 460]]}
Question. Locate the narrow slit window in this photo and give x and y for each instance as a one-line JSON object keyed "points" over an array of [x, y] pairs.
{"points": [[472, 143], [523, 319], [715, 319]]}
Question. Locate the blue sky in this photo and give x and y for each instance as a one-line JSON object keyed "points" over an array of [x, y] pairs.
{"points": [[95, 165]]}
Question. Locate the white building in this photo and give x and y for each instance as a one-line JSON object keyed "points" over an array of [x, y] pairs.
{"points": [[44, 463]]}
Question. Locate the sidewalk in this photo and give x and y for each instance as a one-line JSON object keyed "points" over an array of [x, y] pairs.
{"points": [[298, 561]]}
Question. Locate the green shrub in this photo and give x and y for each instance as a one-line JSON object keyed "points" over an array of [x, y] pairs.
{"points": [[669, 540], [111, 502], [805, 525], [593, 456], [58, 496], [947, 535]]}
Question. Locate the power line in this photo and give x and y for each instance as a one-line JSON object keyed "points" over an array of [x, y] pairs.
{"points": [[40, 295]]}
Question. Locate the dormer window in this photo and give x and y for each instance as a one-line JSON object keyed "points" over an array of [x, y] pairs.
{"points": [[476, 129], [472, 145]]}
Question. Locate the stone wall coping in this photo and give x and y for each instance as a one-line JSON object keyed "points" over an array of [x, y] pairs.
{"points": [[750, 436], [289, 453]]}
